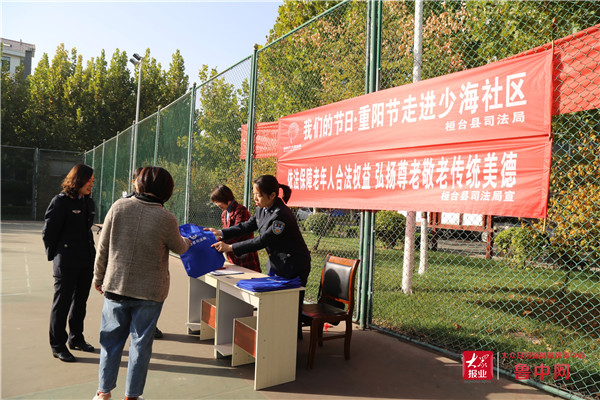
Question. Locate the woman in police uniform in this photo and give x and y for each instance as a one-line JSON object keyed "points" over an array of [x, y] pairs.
{"points": [[69, 243], [278, 233]]}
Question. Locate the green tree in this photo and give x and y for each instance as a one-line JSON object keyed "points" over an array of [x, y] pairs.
{"points": [[177, 82], [292, 14], [71, 104], [51, 123], [153, 90], [15, 101], [500, 29], [119, 96], [80, 101], [217, 139], [573, 213]]}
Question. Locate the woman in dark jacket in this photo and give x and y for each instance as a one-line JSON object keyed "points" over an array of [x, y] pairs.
{"points": [[233, 214], [278, 230], [69, 243]]}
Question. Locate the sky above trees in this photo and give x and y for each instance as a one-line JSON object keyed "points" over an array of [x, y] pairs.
{"points": [[218, 34]]}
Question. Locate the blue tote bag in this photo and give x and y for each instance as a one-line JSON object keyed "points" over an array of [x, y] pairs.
{"points": [[200, 258], [268, 283]]}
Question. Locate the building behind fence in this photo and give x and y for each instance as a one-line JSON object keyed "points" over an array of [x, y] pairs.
{"points": [[533, 298]]}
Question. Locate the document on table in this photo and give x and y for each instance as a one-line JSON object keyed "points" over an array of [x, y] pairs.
{"points": [[225, 272]]}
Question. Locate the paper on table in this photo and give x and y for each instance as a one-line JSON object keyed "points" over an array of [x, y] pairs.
{"points": [[225, 272]]}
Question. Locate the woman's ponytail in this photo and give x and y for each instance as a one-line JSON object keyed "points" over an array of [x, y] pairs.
{"points": [[287, 192], [268, 184]]}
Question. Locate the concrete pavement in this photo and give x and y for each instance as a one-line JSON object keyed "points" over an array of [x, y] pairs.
{"points": [[182, 367]]}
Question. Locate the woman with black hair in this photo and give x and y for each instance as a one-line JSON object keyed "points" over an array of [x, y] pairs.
{"points": [[132, 272], [69, 243], [233, 214], [278, 230]]}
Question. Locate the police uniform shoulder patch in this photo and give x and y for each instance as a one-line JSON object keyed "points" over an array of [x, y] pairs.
{"points": [[278, 227]]}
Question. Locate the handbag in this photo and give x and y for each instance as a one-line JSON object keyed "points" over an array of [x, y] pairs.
{"points": [[200, 258]]}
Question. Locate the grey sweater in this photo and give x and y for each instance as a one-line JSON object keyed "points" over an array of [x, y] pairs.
{"points": [[133, 251]]}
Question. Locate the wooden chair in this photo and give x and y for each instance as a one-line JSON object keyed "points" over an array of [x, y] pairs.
{"points": [[335, 303]]}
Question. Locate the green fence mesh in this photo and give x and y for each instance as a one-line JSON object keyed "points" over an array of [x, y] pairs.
{"points": [[107, 173], [318, 64], [525, 289], [537, 299], [18, 172], [122, 164], [221, 110], [172, 149], [146, 141], [30, 178]]}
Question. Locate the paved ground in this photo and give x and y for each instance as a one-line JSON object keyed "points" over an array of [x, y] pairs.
{"points": [[182, 367]]}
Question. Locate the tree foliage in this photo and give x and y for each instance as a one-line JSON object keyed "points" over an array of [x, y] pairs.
{"points": [[72, 104], [573, 213]]}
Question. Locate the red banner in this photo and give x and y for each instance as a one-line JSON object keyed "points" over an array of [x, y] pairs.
{"points": [[476, 141], [265, 140], [576, 74]]}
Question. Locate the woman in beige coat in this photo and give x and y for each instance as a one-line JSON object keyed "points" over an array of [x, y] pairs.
{"points": [[132, 271]]}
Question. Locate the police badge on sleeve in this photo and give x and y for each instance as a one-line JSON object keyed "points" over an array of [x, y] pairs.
{"points": [[278, 227]]}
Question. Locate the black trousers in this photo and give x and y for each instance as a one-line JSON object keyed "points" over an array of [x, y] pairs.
{"points": [[71, 291]]}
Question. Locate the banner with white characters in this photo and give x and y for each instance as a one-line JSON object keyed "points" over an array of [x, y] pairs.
{"points": [[476, 141]]}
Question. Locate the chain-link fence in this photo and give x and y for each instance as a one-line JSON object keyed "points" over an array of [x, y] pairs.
{"points": [[30, 178], [221, 110], [536, 302], [162, 139], [320, 63], [525, 289]]}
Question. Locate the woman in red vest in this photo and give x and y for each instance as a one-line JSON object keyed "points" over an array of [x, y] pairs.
{"points": [[233, 214]]}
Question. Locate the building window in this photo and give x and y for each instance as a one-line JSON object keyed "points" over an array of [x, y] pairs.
{"points": [[5, 63]]}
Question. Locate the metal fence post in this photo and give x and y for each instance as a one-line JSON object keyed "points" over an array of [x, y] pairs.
{"points": [[34, 194], [417, 67], [250, 131], [115, 167], [132, 151], [373, 61], [156, 136], [188, 178], [101, 179]]}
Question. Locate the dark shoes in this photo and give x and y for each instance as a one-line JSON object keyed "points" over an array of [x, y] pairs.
{"points": [[158, 334], [64, 355], [83, 346]]}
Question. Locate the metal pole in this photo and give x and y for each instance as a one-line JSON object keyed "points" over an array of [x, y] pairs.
{"points": [[36, 172], [417, 68], [115, 167], [137, 114], [101, 179], [368, 217], [188, 178], [156, 136], [131, 157], [250, 130]]}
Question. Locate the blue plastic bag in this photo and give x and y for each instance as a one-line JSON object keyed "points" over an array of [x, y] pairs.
{"points": [[268, 283], [200, 258]]}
